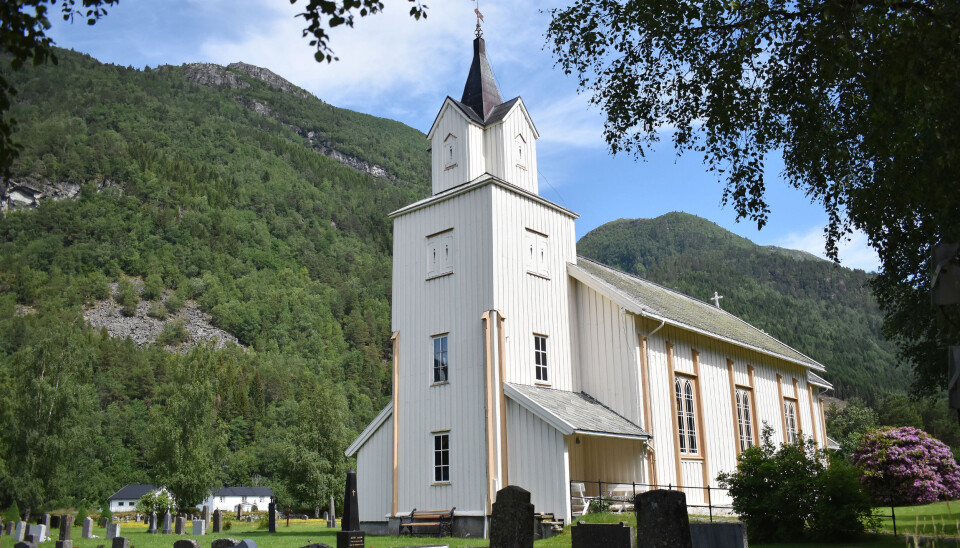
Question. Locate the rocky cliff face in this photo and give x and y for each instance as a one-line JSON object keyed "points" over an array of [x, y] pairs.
{"points": [[28, 193], [271, 79]]}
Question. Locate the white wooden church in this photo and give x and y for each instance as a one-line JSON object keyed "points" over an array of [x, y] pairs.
{"points": [[516, 362]]}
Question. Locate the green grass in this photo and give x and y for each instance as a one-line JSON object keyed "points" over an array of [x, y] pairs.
{"points": [[939, 519]]}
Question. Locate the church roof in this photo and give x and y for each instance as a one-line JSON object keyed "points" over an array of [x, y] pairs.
{"points": [[243, 491], [655, 301], [480, 93], [817, 380], [573, 412]]}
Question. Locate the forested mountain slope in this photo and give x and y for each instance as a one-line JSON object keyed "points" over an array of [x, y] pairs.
{"points": [[822, 310], [230, 190]]}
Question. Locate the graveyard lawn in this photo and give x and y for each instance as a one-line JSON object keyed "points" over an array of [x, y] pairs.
{"points": [[936, 519]]}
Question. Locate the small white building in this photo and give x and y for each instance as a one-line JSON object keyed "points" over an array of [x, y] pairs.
{"points": [[250, 499], [125, 500], [516, 362]]}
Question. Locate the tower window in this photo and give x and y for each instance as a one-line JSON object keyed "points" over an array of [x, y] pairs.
{"points": [[441, 457], [540, 357], [450, 151], [536, 253], [440, 371], [520, 151], [441, 253]]}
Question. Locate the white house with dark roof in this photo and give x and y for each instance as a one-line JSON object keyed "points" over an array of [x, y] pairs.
{"points": [[125, 500], [248, 498], [516, 362]]}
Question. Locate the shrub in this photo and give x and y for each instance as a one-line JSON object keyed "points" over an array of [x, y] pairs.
{"points": [[906, 466], [787, 492], [106, 513], [81, 513], [127, 298], [174, 333], [173, 303], [158, 501], [157, 311], [152, 287], [13, 513]]}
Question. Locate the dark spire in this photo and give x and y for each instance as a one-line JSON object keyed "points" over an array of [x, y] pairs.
{"points": [[480, 93]]}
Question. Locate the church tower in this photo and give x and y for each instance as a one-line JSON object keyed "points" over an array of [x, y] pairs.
{"points": [[479, 300]]}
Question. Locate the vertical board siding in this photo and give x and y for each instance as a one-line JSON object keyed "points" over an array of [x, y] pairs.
{"points": [[608, 460], [451, 304], [537, 460], [532, 304], [607, 358], [375, 459], [692, 471]]}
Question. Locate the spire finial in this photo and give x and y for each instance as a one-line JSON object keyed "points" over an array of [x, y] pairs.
{"points": [[479, 30]]}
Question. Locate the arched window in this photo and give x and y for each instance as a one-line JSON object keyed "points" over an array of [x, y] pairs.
{"points": [[744, 419], [686, 417], [790, 415]]}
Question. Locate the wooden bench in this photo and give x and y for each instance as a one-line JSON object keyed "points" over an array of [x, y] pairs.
{"points": [[441, 519]]}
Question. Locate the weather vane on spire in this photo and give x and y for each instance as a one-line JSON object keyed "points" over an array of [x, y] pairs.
{"points": [[476, 10]]}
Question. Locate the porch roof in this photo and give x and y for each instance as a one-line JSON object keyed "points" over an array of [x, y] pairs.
{"points": [[573, 412]]}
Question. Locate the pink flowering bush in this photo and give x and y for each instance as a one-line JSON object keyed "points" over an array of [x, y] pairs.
{"points": [[906, 466]]}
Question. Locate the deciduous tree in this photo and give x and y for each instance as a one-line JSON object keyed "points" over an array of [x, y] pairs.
{"points": [[861, 98]]}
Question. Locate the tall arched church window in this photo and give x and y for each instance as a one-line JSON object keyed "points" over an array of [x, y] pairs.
{"points": [[686, 416], [790, 414], [745, 419]]}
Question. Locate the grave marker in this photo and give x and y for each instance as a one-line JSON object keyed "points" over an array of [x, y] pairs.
{"points": [[121, 542], [113, 531], [199, 527], [181, 525], [511, 525], [167, 525], [218, 521], [603, 535], [349, 535], [87, 530], [662, 519]]}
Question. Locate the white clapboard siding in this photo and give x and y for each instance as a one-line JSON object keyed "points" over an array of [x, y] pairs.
{"points": [[469, 151], [532, 303], [450, 304], [538, 460], [607, 361], [375, 474], [501, 155], [608, 460]]}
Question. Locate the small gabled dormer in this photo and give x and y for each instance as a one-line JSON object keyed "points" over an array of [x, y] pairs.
{"points": [[482, 134]]}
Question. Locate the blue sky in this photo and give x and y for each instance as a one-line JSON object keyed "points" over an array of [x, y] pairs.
{"points": [[393, 66]]}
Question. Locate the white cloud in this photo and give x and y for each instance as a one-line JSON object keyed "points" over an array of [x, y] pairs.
{"points": [[854, 252], [569, 121]]}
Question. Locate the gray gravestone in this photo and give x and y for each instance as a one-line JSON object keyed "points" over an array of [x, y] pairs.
{"points": [[167, 525], [511, 525], [186, 543], [206, 514], [719, 535], [63, 544], [87, 530], [332, 519], [224, 542], [239, 512], [247, 543], [19, 530], [45, 521], [272, 518], [113, 531], [121, 542], [181, 526], [218, 521], [39, 531], [66, 524], [104, 522], [152, 523], [603, 535], [8, 528], [199, 527], [662, 519], [31, 540]]}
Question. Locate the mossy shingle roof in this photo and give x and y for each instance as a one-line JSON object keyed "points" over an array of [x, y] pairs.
{"points": [[573, 412], [675, 308]]}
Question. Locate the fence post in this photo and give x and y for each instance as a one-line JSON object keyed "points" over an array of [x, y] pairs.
{"points": [[893, 514], [710, 503], [600, 492]]}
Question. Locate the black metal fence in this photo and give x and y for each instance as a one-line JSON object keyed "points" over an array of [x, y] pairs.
{"points": [[605, 495]]}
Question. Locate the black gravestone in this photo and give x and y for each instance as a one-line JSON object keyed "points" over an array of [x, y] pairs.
{"points": [[603, 535], [218, 521], [272, 519], [66, 523], [350, 535], [186, 543], [662, 520], [224, 542], [54, 523], [121, 542], [181, 526], [511, 525]]}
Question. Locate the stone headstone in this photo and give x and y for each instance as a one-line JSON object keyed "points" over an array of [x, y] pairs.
{"points": [[247, 543], [272, 518], [152, 523], [87, 530], [19, 530], [206, 514], [239, 512], [350, 535], [31, 540], [45, 521], [167, 524], [662, 519], [104, 522], [224, 542], [332, 520], [113, 530], [181, 526], [719, 534], [317, 545], [186, 543], [39, 532], [64, 544], [121, 542], [54, 522], [218, 521], [511, 525], [22, 544], [603, 535], [8, 528], [199, 527], [66, 524]]}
